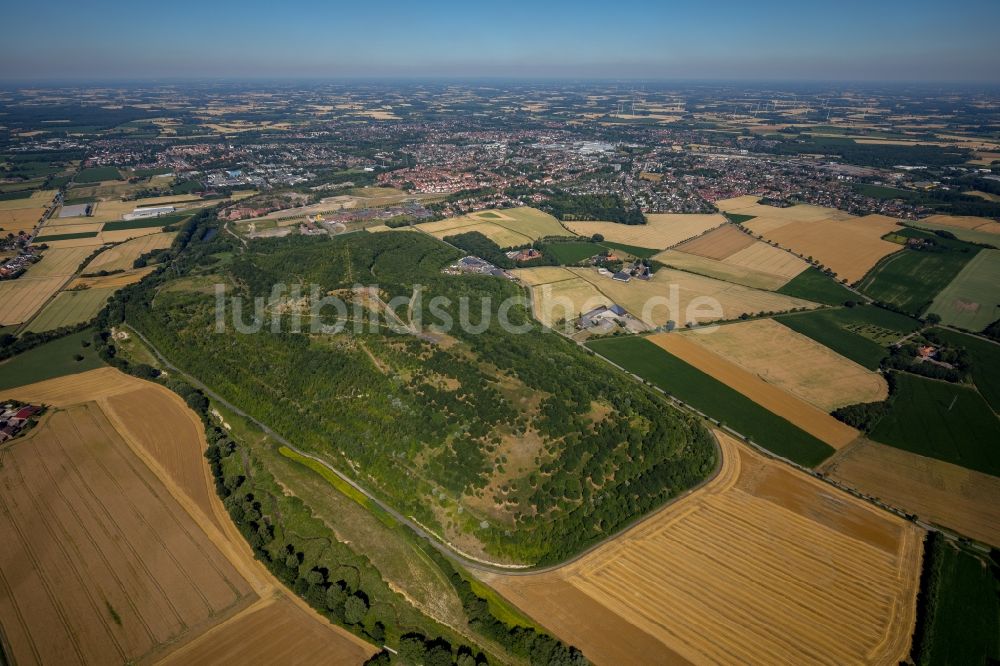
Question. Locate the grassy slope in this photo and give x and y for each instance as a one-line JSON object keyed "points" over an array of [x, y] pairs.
{"points": [[714, 398], [985, 363], [830, 328], [812, 285], [944, 421], [52, 359]]}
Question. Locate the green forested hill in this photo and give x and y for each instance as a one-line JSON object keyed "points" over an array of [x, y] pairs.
{"points": [[523, 442]]}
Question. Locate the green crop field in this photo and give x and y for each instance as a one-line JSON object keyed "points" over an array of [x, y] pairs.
{"points": [[708, 395], [941, 420], [147, 222], [812, 285], [51, 359], [972, 300], [911, 279], [97, 174], [861, 333], [572, 252], [985, 357], [738, 218], [58, 237], [961, 611]]}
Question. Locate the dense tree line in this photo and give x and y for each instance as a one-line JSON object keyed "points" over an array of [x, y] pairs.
{"points": [[606, 207]]}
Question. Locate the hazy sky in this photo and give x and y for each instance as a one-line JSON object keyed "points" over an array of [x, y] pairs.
{"points": [[884, 40]]}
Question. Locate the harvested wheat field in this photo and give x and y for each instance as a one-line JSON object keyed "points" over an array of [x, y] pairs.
{"points": [[805, 416], [116, 280], [720, 270], [754, 567], [16, 220], [49, 229], [680, 296], [936, 491], [122, 257], [718, 243], [273, 631], [850, 247], [983, 224], [558, 294], [38, 199], [59, 261], [660, 232], [112, 504], [795, 363], [92, 522], [768, 259], [25, 296]]}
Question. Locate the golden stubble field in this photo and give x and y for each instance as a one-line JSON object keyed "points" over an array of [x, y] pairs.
{"points": [[118, 549], [121, 257], [939, 492], [847, 244], [507, 227], [796, 411], [762, 565], [794, 363], [661, 231], [26, 295]]}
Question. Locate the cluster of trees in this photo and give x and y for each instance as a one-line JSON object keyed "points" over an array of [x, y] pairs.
{"points": [[538, 648], [875, 155], [607, 207], [906, 357], [427, 417], [927, 595], [12, 345]]}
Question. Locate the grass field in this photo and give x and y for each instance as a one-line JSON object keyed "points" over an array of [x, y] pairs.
{"points": [[147, 223], [69, 308], [812, 285], [985, 357], [794, 363], [660, 231], [752, 568], [634, 250], [708, 395], [861, 333], [911, 279], [97, 174], [52, 359], [573, 252], [508, 227], [970, 300], [939, 492], [944, 421]]}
